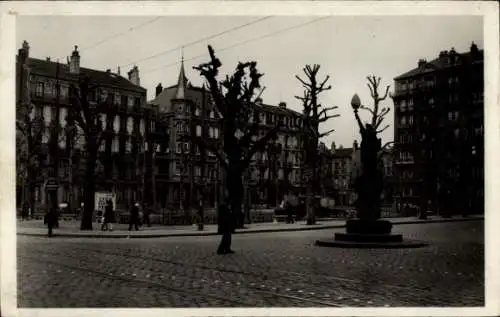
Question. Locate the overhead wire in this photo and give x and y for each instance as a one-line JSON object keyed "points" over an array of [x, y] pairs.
{"points": [[239, 43], [198, 41], [109, 38]]}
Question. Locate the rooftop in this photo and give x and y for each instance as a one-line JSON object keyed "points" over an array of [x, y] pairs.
{"points": [[442, 62], [48, 68]]}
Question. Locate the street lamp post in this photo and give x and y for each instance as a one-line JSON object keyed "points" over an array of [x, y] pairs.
{"points": [[368, 185]]}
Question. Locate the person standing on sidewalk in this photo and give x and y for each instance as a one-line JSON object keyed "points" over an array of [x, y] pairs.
{"points": [[51, 220], [225, 227], [109, 217], [134, 217]]}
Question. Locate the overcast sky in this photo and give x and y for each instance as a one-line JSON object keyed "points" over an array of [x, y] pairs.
{"points": [[347, 48]]}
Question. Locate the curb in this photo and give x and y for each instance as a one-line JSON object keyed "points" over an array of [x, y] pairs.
{"points": [[194, 234]]}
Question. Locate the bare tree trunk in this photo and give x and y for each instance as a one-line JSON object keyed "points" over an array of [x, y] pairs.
{"points": [[89, 195]]}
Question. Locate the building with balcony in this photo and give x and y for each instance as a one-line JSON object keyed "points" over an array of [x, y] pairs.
{"points": [[42, 95], [439, 134], [186, 173]]}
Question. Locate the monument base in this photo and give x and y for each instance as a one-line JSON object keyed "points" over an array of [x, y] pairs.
{"points": [[369, 234]]}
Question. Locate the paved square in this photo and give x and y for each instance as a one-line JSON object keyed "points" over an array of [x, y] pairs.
{"points": [[268, 269]]}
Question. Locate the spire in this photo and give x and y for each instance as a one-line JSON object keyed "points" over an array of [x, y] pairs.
{"points": [[182, 82]]}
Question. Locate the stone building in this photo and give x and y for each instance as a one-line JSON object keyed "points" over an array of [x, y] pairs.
{"points": [[439, 133], [185, 172], [42, 95], [345, 167]]}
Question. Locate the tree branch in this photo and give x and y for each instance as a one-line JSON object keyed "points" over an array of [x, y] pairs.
{"points": [[306, 85], [378, 131], [326, 133], [325, 110], [209, 147], [261, 143], [325, 118]]}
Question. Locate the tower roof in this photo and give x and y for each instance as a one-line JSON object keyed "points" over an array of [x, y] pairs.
{"points": [[181, 83]]}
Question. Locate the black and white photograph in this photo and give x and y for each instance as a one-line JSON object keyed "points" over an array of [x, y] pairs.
{"points": [[250, 159]]}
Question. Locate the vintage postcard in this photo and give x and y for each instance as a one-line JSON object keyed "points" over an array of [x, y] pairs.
{"points": [[217, 158]]}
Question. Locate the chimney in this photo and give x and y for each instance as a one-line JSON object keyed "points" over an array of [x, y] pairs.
{"points": [[108, 70], [443, 54], [47, 58], [421, 63], [119, 71], [74, 63], [24, 52], [282, 105], [473, 49], [355, 145], [159, 89], [333, 146], [133, 76]]}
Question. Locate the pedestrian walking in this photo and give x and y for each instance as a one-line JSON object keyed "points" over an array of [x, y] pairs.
{"points": [[25, 212], [134, 217], [225, 227], [51, 221], [109, 216]]}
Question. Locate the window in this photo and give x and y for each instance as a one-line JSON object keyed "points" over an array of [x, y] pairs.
{"points": [[403, 105], [410, 120], [180, 127], [456, 132], [102, 146], [116, 124], [180, 108], [198, 130], [103, 120], [210, 132], [130, 102], [453, 115], [178, 147], [62, 140], [130, 125], [211, 115], [128, 146], [45, 136], [124, 101], [197, 171], [137, 102], [116, 99], [47, 114], [39, 89], [115, 145], [177, 168], [186, 147], [403, 121], [142, 127], [431, 101], [197, 112], [216, 133], [63, 114]]}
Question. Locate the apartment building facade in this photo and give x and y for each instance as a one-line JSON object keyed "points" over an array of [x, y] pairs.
{"points": [[439, 133], [42, 88]]}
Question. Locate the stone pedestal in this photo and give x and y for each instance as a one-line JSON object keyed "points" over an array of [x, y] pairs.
{"points": [[369, 234]]}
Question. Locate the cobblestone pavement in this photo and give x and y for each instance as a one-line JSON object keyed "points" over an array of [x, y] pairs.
{"points": [[268, 269]]}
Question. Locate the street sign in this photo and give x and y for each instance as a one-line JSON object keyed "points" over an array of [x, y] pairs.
{"points": [[51, 184]]}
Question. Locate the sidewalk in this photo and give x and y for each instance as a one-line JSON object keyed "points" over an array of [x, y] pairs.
{"points": [[71, 228]]}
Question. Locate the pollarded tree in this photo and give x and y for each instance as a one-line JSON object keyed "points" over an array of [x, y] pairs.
{"points": [[86, 115], [29, 132], [233, 98], [313, 117]]}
